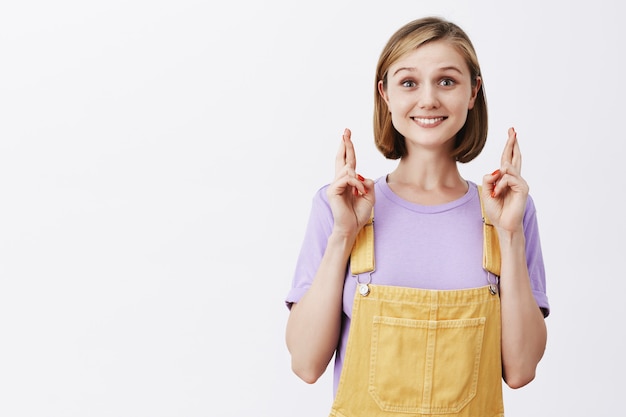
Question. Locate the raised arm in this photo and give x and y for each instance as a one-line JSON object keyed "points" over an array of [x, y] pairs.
{"points": [[314, 323], [524, 332]]}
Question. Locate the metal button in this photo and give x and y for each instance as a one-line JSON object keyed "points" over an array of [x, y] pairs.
{"points": [[364, 289]]}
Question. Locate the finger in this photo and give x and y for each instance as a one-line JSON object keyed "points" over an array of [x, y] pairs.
{"points": [[368, 194], [354, 180], [340, 158], [503, 181], [350, 154], [516, 161], [489, 183], [362, 184], [507, 153], [346, 178], [512, 182]]}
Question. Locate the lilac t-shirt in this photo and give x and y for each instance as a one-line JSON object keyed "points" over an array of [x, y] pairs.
{"points": [[431, 247]]}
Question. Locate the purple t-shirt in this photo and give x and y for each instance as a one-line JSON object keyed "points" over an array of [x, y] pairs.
{"points": [[431, 247]]}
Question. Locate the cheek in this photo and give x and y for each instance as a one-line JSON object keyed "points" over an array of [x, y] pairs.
{"points": [[464, 104], [396, 120], [399, 105]]}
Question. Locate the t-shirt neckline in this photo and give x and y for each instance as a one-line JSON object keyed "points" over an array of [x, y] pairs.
{"points": [[388, 193]]}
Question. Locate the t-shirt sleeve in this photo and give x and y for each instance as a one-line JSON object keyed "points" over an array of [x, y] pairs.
{"points": [[318, 230], [534, 257]]}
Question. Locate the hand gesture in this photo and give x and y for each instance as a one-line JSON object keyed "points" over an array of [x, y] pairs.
{"points": [[350, 195], [505, 191]]}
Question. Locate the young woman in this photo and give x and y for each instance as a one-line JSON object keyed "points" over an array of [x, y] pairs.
{"points": [[426, 329]]}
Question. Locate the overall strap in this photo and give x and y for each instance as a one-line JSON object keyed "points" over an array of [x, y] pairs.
{"points": [[362, 257], [491, 244]]}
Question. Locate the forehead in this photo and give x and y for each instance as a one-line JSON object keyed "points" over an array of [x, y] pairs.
{"points": [[431, 56]]}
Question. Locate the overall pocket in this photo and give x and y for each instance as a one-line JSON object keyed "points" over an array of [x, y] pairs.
{"points": [[424, 366]]}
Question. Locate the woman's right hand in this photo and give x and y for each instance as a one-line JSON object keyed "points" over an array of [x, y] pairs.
{"points": [[314, 325], [350, 195]]}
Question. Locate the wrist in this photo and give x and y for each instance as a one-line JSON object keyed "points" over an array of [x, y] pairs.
{"points": [[341, 241], [511, 238]]}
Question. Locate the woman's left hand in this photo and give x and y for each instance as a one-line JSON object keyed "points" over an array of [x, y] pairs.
{"points": [[505, 191]]}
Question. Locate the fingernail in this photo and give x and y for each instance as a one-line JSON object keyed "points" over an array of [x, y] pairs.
{"points": [[360, 177], [497, 171]]}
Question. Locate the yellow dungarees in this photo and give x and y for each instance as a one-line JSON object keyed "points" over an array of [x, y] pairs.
{"points": [[415, 352]]}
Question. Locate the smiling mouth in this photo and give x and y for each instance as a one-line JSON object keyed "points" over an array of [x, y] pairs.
{"points": [[428, 121]]}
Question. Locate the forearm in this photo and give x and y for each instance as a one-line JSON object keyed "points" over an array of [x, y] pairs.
{"points": [[314, 323], [523, 327]]}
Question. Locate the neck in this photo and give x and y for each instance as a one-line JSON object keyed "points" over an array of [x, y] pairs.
{"points": [[427, 181]]}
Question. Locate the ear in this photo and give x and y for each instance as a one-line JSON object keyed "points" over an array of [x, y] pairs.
{"points": [[475, 90], [382, 92]]}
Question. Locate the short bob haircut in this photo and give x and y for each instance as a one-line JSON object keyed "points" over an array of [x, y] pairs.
{"points": [[471, 139]]}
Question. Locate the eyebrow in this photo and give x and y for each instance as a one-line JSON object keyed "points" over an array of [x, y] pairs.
{"points": [[453, 68]]}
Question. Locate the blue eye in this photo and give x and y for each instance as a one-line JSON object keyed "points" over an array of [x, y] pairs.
{"points": [[408, 83], [447, 82]]}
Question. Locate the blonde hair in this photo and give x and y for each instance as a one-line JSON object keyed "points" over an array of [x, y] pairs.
{"points": [[471, 138]]}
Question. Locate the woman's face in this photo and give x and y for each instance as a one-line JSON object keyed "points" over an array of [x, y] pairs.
{"points": [[429, 92]]}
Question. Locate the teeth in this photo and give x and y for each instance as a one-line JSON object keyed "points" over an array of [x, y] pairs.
{"points": [[428, 121]]}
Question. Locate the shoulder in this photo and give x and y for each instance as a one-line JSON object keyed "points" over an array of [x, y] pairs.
{"points": [[320, 197], [531, 210], [320, 215], [530, 203]]}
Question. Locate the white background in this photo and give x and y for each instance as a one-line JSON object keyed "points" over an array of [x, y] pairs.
{"points": [[157, 163]]}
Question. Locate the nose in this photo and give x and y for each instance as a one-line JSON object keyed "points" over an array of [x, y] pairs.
{"points": [[427, 97]]}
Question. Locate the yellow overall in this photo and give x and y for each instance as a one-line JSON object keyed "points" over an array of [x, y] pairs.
{"points": [[415, 352]]}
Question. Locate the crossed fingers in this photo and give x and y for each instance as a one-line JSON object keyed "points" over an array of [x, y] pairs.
{"points": [[509, 173], [345, 165]]}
